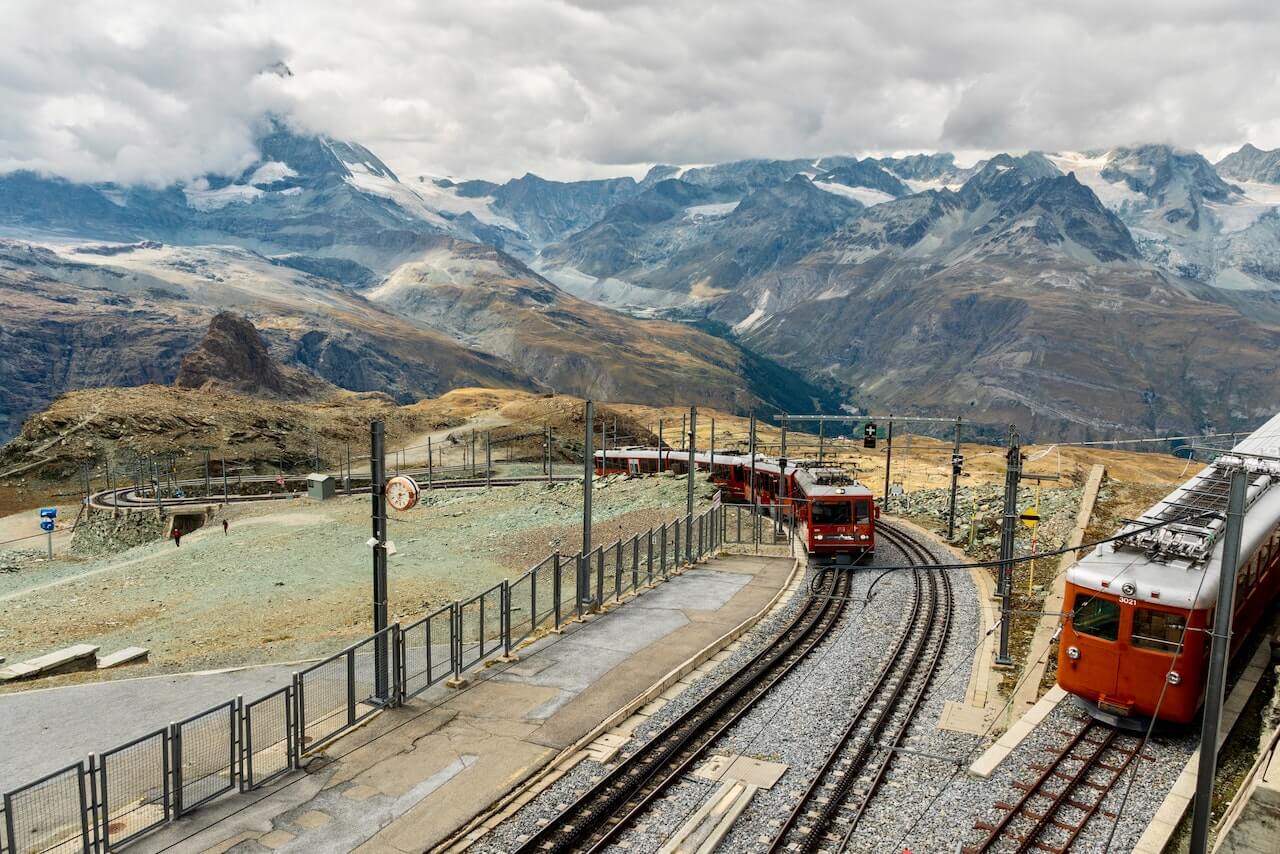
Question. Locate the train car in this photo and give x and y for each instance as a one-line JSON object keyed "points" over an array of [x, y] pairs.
{"points": [[1136, 642], [837, 513]]}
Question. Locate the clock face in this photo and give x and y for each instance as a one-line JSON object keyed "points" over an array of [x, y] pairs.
{"points": [[402, 492]]}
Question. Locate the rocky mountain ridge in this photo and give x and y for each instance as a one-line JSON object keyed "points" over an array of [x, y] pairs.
{"points": [[815, 269]]}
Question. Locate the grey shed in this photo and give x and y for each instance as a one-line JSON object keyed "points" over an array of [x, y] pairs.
{"points": [[320, 486]]}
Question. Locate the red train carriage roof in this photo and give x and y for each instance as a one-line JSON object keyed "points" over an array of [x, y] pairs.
{"points": [[816, 481], [1178, 564]]}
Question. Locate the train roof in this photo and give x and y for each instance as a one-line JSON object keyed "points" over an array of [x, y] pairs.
{"points": [[1178, 564], [814, 479]]}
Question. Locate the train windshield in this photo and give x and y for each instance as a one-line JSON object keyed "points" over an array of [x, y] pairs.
{"points": [[1158, 630], [832, 512], [1097, 617], [841, 512]]}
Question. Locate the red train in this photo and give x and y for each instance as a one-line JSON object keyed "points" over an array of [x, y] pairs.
{"points": [[1137, 643], [837, 513]]}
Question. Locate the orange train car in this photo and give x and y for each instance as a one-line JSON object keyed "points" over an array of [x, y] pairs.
{"points": [[1135, 644]]}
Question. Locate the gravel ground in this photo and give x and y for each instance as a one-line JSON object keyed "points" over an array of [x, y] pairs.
{"points": [[967, 800], [799, 720], [926, 804], [290, 579]]}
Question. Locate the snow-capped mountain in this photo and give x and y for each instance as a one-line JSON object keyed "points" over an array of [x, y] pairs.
{"points": [[1064, 287]]}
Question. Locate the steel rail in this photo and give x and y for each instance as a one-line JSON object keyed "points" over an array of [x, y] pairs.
{"points": [[828, 791], [1023, 840], [595, 819]]}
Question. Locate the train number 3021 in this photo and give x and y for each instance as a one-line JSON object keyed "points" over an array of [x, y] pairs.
{"points": [[1126, 601]]}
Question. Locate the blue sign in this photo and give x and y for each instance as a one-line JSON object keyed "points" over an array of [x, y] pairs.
{"points": [[46, 525], [48, 512]]}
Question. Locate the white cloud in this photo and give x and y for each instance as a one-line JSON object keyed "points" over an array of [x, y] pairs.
{"points": [[491, 88]]}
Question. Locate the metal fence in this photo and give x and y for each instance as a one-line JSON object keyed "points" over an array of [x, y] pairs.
{"points": [[112, 798]]}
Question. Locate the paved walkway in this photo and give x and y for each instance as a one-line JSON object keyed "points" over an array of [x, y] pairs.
{"points": [[417, 773], [48, 729]]}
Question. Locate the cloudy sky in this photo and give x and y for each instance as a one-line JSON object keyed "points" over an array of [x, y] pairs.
{"points": [[158, 92]]}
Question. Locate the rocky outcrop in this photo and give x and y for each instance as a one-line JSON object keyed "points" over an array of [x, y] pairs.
{"points": [[104, 534], [233, 355]]}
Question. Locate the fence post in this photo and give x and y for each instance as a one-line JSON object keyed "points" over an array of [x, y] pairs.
{"points": [[455, 644], [175, 748], [298, 731], [676, 561], [663, 552], [351, 687], [617, 571], [291, 724], [97, 817], [635, 562], [555, 587], [580, 569], [599, 599], [400, 680], [238, 740], [505, 607], [649, 556]]}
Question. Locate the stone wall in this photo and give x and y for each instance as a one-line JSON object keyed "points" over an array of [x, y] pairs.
{"points": [[103, 534]]}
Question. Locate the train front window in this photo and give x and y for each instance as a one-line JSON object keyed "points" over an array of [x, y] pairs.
{"points": [[1097, 617], [832, 512], [862, 512], [1158, 630]]}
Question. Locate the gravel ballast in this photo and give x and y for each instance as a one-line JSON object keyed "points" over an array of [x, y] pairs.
{"points": [[926, 803]]}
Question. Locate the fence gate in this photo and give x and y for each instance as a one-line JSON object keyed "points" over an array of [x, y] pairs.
{"points": [[205, 750], [134, 788]]}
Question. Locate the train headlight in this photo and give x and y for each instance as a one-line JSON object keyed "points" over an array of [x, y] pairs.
{"points": [[1129, 588], [1073, 653], [817, 536], [1174, 677]]}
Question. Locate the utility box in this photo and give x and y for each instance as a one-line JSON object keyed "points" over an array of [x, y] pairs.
{"points": [[320, 486]]}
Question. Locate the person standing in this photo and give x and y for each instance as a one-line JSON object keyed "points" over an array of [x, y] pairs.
{"points": [[224, 527], [177, 537]]}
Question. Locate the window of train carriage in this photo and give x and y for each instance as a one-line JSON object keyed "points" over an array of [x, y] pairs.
{"points": [[1099, 618], [1157, 630], [832, 512], [861, 512]]}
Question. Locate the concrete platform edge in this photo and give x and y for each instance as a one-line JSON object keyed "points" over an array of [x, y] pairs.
{"points": [[540, 777], [1163, 824]]}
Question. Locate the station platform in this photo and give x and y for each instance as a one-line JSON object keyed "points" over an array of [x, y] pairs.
{"points": [[414, 775]]}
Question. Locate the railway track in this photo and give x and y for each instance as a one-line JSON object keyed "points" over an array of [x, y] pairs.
{"points": [[132, 498], [1066, 794], [828, 813], [596, 818]]}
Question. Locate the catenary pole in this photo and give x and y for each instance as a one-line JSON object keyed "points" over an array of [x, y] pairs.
{"points": [[888, 460], [711, 447], [782, 452], [955, 474], [377, 471], [588, 471], [1202, 813], [1013, 473]]}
